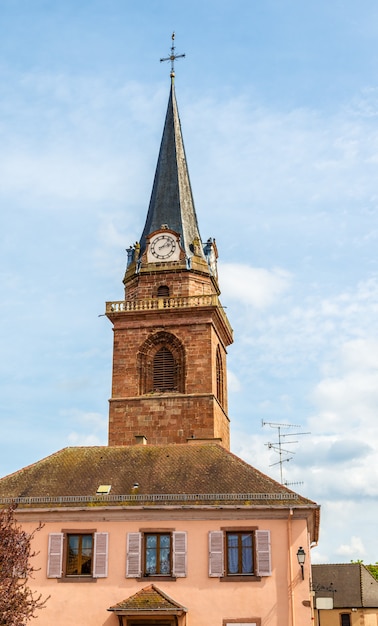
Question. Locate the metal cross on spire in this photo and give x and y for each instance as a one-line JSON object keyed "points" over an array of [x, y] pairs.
{"points": [[172, 58]]}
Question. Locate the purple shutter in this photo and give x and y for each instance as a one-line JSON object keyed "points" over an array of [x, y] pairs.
{"points": [[100, 550], [55, 555], [179, 554], [216, 542], [134, 555], [264, 567]]}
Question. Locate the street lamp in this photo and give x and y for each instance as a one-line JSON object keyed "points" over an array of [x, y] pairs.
{"points": [[301, 556]]}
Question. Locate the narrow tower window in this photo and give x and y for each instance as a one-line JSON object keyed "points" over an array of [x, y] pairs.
{"points": [[220, 377], [164, 371], [163, 291]]}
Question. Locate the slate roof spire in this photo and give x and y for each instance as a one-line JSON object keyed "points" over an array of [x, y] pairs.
{"points": [[171, 202]]}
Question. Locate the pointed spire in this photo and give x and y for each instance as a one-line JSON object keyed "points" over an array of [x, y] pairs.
{"points": [[171, 201]]}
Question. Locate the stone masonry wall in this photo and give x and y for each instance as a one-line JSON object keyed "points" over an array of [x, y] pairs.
{"points": [[166, 419]]}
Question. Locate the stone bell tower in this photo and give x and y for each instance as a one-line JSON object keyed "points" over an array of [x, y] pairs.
{"points": [[170, 331]]}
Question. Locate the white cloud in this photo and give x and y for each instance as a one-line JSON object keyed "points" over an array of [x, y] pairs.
{"points": [[344, 533], [354, 550], [361, 354], [233, 382], [55, 174], [284, 166], [349, 398], [90, 428], [84, 439], [336, 336], [256, 287]]}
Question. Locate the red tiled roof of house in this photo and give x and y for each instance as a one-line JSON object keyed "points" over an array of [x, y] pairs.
{"points": [[148, 599]]}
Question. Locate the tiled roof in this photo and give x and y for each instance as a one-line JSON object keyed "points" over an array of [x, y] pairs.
{"points": [[349, 584], [148, 599], [201, 471]]}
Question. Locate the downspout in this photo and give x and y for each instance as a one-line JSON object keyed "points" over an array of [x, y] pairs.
{"points": [[291, 581]]}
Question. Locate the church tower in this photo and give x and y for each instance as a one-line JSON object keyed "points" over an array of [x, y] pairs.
{"points": [[170, 331]]}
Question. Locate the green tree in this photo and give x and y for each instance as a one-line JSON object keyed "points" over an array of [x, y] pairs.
{"points": [[18, 604], [373, 569]]}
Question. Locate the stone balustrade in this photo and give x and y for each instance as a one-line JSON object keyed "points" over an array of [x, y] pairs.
{"points": [[150, 304], [154, 304]]}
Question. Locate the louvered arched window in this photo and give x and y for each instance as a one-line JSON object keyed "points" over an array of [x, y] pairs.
{"points": [[164, 371], [161, 363]]}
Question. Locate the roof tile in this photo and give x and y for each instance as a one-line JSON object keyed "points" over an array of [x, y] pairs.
{"points": [[148, 599]]}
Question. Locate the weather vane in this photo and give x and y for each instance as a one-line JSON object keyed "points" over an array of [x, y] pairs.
{"points": [[172, 58]]}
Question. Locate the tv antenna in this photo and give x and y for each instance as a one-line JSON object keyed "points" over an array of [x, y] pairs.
{"points": [[277, 446]]}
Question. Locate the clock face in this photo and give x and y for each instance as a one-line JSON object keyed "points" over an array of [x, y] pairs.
{"points": [[163, 246]]}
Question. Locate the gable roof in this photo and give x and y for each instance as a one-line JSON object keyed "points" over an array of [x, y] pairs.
{"points": [[147, 600], [351, 585]]}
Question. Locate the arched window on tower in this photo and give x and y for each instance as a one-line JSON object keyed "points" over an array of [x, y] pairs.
{"points": [[220, 377], [163, 291], [161, 364], [164, 371]]}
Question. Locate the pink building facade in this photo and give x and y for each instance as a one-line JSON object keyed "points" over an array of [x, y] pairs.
{"points": [[199, 593], [159, 551]]}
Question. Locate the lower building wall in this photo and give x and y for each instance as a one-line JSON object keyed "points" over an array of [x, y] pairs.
{"points": [[281, 599], [357, 617]]}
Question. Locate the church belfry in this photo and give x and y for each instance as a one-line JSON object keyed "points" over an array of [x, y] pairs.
{"points": [[170, 331]]}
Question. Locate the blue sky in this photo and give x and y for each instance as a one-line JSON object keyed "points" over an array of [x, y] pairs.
{"points": [[279, 107]]}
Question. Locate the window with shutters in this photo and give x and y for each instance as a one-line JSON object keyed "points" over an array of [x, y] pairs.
{"points": [[161, 363], [78, 555], [156, 554], [242, 554]]}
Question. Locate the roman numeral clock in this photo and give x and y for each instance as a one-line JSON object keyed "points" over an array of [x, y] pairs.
{"points": [[163, 246]]}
